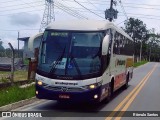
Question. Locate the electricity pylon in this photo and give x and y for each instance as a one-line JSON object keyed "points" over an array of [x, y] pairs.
{"points": [[48, 15]]}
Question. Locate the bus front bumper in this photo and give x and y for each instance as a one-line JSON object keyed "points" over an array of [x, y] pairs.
{"points": [[85, 96]]}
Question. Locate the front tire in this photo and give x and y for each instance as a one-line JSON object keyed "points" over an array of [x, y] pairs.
{"points": [[106, 100]]}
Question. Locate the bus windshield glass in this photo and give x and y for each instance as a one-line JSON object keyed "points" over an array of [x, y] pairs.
{"points": [[70, 53]]}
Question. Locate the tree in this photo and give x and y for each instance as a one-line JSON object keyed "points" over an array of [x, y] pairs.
{"points": [[1, 49], [153, 46], [138, 31], [1, 45]]}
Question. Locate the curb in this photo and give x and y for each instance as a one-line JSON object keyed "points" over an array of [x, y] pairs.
{"points": [[18, 104]]}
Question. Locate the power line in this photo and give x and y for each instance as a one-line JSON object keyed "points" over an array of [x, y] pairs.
{"points": [[64, 9], [81, 1], [102, 3], [20, 4], [77, 8], [67, 11], [82, 10], [19, 8], [124, 4], [142, 14], [70, 11], [89, 9], [29, 4], [16, 29], [9, 1], [141, 7], [141, 4], [92, 4], [101, 12], [123, 9], [142, 17], [20, 12], [138, 18], [130, 3], [120, 22], [92, 10]]}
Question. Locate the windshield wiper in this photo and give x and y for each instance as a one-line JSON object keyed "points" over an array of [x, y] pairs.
{"points": [[53, 65], [76, 66]]}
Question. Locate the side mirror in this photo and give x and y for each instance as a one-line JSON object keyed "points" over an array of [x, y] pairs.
{"points": [[105, 45]]}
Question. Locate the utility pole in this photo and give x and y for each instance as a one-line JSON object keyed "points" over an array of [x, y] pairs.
{"points": [[111, 13], [140, 51], [150, 54], [12, 64], [111, 7], [18, 44]]}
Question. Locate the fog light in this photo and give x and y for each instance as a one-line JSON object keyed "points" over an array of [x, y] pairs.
{"points": [[39, 82], [36, 92], [92, 86], [95, 96]]}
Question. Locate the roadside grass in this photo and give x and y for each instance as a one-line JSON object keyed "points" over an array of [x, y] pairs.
{"points": [[14, 94], [26, 61], [19, 75], [140, 63]]}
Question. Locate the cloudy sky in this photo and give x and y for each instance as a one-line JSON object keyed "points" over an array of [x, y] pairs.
{"points": [[26, 16]]}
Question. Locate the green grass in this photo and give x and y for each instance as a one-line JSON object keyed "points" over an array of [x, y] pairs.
{"points": [[26, 61], [19, 75], [140, 63], [15, 94]]}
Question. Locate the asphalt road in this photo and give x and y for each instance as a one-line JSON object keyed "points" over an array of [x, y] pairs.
{"points": [[143, 94]]}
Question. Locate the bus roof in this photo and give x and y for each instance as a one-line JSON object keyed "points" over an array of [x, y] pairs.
{"points": [[89, 25], [85, 25]]}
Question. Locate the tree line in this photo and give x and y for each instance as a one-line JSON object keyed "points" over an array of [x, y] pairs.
{"points": [[6, 52], [145, 40]]}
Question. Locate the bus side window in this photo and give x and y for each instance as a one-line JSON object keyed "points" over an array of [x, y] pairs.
{"points": [[115, 46], [110, 42]]}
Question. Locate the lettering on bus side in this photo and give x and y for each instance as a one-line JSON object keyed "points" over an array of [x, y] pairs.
{"points": [[121, 62]]}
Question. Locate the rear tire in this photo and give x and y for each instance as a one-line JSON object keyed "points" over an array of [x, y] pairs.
{"points": [[126, 84], [112, 87]]}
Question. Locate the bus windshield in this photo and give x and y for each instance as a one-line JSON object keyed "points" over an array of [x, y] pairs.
{"points": [[70, 53]]}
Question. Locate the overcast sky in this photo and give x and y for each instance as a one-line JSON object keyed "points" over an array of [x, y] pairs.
{"points": [[26, 16]]}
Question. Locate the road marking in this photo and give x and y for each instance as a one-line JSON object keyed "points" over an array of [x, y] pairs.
{"points": [[134, 96], [132, 93]]}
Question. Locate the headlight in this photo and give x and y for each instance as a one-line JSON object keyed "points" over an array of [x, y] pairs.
{"points": [[93, 86], [39, 82]]}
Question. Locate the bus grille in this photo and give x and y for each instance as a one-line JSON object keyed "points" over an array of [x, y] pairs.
{"points": [[60, 88]]}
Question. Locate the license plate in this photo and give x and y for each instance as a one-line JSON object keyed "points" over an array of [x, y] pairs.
{"points": [[64, 96]]}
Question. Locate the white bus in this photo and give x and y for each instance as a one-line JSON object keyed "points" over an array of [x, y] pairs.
{"points": [[33, 42], [83, 60]]}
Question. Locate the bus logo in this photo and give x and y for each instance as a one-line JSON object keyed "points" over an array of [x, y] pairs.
{"points": [[64, 89]]}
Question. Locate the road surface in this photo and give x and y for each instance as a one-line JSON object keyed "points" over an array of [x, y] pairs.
{"points": [[143, 94]]}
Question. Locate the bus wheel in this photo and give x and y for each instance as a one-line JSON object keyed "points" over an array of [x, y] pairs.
{"points": [[126, 84], [112, 87], [106, 100]]}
